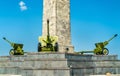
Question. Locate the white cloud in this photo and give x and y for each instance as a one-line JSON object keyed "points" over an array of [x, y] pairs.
{"points": [[22, 6]]}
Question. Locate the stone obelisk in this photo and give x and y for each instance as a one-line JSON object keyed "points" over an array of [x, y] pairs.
{"points": [[58, 13]]}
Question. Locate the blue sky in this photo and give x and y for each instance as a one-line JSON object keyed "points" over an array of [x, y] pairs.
{"points": [[91, 21]]}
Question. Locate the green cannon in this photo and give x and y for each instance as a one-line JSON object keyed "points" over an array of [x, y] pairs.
{"points": [[17, 48], [48, 43], [100, 48]]}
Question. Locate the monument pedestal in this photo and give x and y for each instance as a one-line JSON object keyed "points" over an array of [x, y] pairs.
{"points": [[59, 64]]}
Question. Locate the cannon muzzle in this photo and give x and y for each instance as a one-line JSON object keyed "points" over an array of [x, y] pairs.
{"points": [[8, 41], [115, 35], [4, 38], [112, 37]]}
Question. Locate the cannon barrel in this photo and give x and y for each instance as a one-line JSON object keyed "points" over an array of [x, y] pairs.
{"points": [[112, 37], [8, 41], [82, 52], [103, 44], [48, 32], [48, 39]]}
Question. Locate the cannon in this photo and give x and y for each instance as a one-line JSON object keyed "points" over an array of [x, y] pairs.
{"points": [[17, 48], [48, 43], [100, 48]]}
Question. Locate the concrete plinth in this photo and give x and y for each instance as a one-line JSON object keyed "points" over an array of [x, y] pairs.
{"points": [[59, 64]]}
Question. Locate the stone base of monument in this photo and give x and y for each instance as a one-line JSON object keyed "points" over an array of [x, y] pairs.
{"points": [[59, 64]]}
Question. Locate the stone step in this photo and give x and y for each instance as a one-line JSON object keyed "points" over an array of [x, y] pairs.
{"points": [[104, 70], [94, 63], [81, 71], [10, 70], [60, 63], [35, 71], [94, 70], [91, 57], [97, 75], [72, 56], [52, 63], [69, 56], [9, 75], [107, 75], [47, 72]]}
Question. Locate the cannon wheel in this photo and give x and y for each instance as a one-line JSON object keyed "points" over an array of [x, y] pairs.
{"points": [[39, 47], [12, 52], [105, 51], [56, 47]]}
